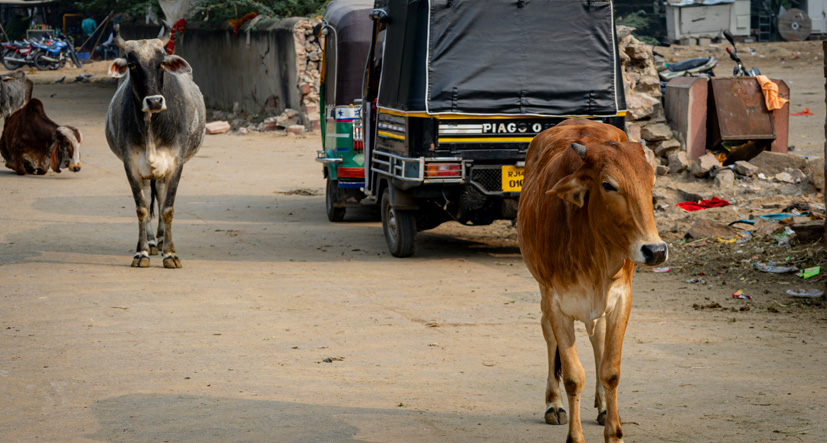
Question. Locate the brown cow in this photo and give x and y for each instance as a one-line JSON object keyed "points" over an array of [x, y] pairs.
{"points": [[585, 218], [32, 142]]}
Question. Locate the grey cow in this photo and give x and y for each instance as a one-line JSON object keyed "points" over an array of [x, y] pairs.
{"points": [[155, 124], [15, 92]]}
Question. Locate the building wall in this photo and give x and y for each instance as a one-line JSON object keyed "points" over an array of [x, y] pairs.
{"points": [[256, 69]]}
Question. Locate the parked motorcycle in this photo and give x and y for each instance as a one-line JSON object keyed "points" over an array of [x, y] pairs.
{"points": [[18, 53], [694, 67], [739, 70], [53, 54]]}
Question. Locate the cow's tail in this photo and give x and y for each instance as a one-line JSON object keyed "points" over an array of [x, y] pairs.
{"points": [[153, 195], [558, 366]]}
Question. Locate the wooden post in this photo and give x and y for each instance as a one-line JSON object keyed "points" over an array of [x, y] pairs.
{"points": [[824, 51]]}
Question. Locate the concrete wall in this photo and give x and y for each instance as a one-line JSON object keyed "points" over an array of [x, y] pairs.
{"points": [[257, 69]]}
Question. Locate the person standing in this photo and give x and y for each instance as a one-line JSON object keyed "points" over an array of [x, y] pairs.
{"points": [[88, 26]]}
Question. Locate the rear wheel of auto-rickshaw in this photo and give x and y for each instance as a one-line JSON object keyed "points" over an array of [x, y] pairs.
{"points": [[331, 197], [399, 227]]}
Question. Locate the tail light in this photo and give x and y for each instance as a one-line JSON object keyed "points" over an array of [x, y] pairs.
{"points": [[433, 170], [358, 142]]}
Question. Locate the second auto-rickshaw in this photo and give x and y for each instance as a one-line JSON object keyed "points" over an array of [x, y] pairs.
{"points": [[429, 106]]}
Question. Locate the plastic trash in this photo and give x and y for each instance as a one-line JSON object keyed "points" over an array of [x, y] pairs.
{"points": [[806, 293], [661, 269], [696, 281], [739, 294], [810, 272], [774, 269]]}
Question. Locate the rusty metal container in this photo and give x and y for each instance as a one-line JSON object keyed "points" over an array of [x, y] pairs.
{"points": [[737, 112]]}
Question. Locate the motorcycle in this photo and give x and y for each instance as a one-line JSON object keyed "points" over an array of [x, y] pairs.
{"points": [[739, 70], [53, 54], [18, 53], [694, 67]]}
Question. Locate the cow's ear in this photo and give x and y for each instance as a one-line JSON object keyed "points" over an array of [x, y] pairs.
{"points": [[118, 68], [176, 65], [7, 78], [56, 159], [571, 189]]}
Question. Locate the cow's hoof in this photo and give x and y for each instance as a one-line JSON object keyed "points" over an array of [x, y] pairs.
{"points": [[601, 418], [141, 260], [172, 262], [556, 416], [153, 250]]}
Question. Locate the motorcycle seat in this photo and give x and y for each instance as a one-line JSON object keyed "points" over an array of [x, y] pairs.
{"points": [[686, 65], [19, 44]]}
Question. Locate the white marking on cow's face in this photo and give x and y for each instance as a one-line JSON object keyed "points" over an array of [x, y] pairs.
{"points": [[154, 103]]}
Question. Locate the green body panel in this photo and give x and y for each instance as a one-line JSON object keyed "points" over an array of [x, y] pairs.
{"points": [[338, 143]]}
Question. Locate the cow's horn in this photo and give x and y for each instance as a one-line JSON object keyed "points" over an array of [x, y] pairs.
{"points": [[579, 149], [117, 37], [165, 33]]}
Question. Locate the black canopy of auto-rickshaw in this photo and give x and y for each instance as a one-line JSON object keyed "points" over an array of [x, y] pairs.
{"points": [[347, 43], [501, 57]]}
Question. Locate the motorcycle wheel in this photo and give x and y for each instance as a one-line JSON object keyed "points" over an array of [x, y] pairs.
{"points": [[76, 60], [41, 64], [10, 64]]}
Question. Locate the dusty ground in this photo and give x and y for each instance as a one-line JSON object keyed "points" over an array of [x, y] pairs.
{"points": [[444, 346]]}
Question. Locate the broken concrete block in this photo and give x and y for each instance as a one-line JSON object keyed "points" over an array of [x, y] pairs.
{"points": [[650, 158], [746, 168], [678, 161], [218, 127], [633, 131], [288, 118], [656, 132], [772, 163], [702, 166], [706, 228], [688, 195], [725, 179], [661, 170], [295, 129], [797, 175], [784, 177], [817, 168], [666, 147]]}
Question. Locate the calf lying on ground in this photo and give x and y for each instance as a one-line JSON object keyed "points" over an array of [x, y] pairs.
{"points": [[33, 143], [585, 218]]}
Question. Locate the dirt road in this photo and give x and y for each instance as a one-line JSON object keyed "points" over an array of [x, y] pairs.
{"points": [[284, 327]]}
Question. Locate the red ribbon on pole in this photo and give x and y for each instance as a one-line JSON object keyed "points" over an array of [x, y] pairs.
{"points": [[179, 26]]}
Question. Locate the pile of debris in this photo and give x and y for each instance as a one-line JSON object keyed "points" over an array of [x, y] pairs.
{"points": [[286, 123], [645, 118], [308, 67]]}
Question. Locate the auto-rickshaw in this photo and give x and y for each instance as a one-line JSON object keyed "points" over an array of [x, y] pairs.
{"points": [[435, 124]]}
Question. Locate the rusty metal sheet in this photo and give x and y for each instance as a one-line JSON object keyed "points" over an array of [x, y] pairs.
{"points": [[737, 111]]}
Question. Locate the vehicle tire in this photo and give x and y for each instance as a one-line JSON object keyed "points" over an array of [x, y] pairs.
{"points": [[75, 59], [331, 196], [9, 64], [41, 64], [399, 227]]}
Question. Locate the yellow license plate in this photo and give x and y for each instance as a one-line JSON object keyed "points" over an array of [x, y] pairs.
{"points": [[513, 178]]}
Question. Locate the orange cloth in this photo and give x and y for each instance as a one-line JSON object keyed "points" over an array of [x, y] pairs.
{"points": [[770, 91]]}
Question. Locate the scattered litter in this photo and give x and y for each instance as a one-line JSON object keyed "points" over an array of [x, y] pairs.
{"points": [[806, 293], [332, 359], [728, 241], [806, 111], [762, 176], [714, 202], [666, 269], [743, 220], [776, 217], [696, 281], [739, 294], [810, 272], [774, 269]]}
